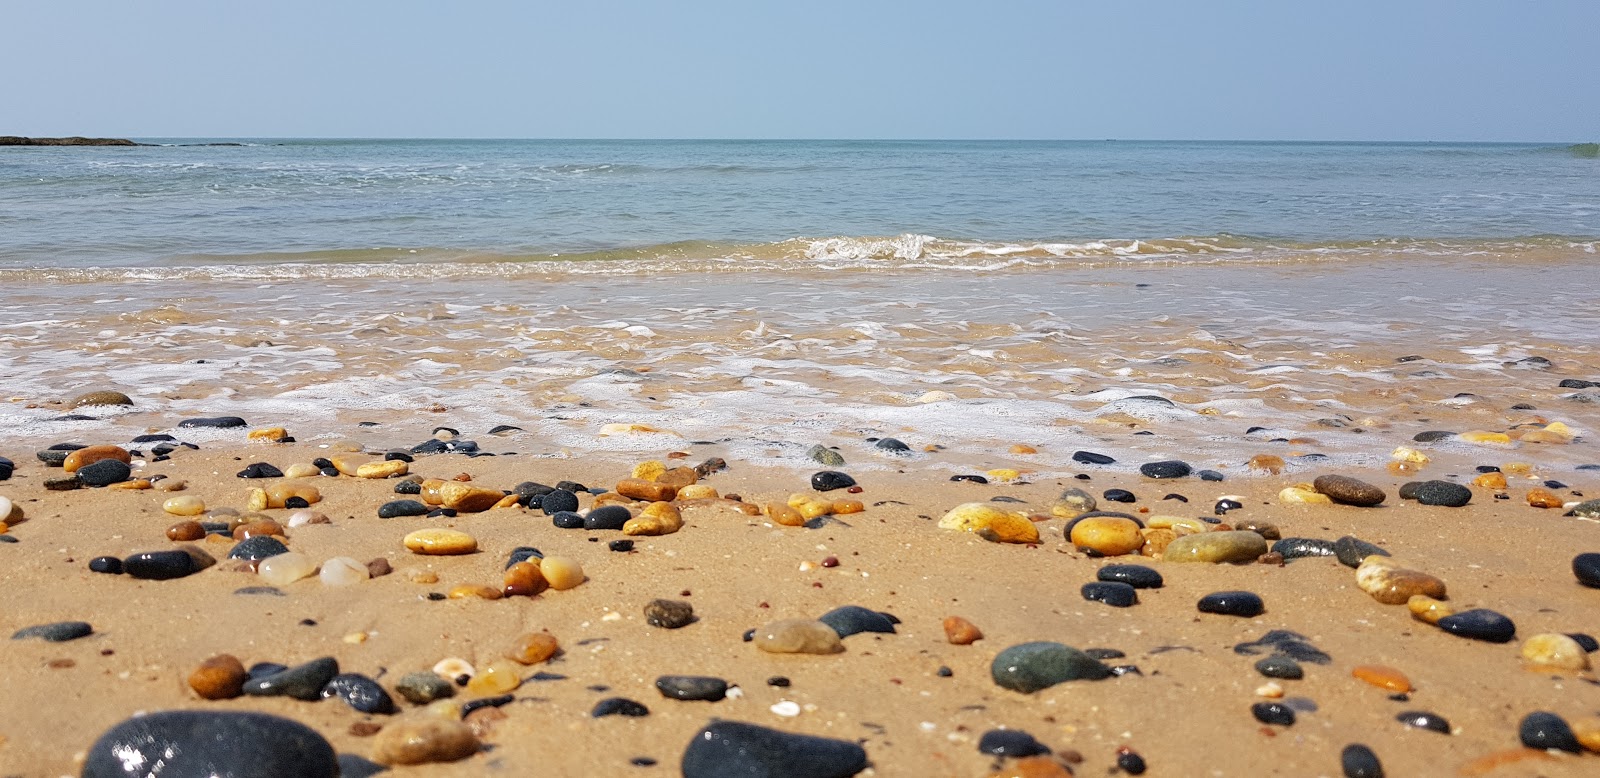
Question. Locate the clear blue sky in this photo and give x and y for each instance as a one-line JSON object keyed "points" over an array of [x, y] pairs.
{"points": [[1198, 69]]}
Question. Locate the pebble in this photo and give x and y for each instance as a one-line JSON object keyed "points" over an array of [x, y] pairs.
{"points": [[1443, 493], [733, 749], [55, 632], [302, 682], [1137, 576], [1119, 495], [7, 467], [1106, 536], [76, 460], [284, 569], [990, 523], [1029, 667], [692, 687], [1073, 503], [1391, 584], [221, 677], [1427, 609], [1233, 603], [1539, 498], [850, 620], [1358, 761], [1547, 731], [1383, 677], [499, 676], [892, 445], [1587, 730], [260, 470], [397, 508], [222, 422], [668, 614], [359, 692], [558, 500], [1113, 593], [1352, 551], [422, 741], [1170, 468], [562, 573], [1273, 713], [1303, 494], [798, 636], [657, 518], [566, 520], [1349, 491], [606, 517], [829, 480], [1281, 641], [1554, 653], [106, 564], [533, 648], [1279, 666], [343, 571], [258, 547], [1092, 458], [165, 565], [1586, 567], [423, 687], [523, 579], [211, 743], [1422, 719], [1479, 624], [1298, 548], [104, 473], [186, 531], [440, 542], [826, 456], [618, 706], [102, 397], [961, 632], [1217, 547], [1010, 742]]}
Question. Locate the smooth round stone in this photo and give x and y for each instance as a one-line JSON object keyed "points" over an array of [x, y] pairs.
{"points": [[106, 564], [1351, 550], [1010, 742], [829, 480], [220, 677], [1279, 666], [82, 457], [1554, 653], [56, 632], [692, 687], [7, 467], [104, 472], [1442, 493], [562, 573], [1092, 458], [1118, 495], [1479, 624], [1073, 503], [422, 741], [1107, 536], [826, 456], [285, 569], [1236, 603], [440, 542], [423, 687], [1273, 713], [892, 445], [557, 500], [618, 706], [1422, 719], [1298, 548], [359, 692], [100, 397], [1392, 585], [607, 517], [1586, 567], [221, 422], [302, 682], [1431, 436], [1029, 667], [566, 520], [1137, 576], [1358, 761], [211, 743], [343, 571], [1210, 475], [1217, 547], [849, 620], [1113, 593], [1349, 491], [258, 547], [396, 508], [160, 565], [798, 636], [732, 749], [1170, 468], [668, 614], [1544, 730]]}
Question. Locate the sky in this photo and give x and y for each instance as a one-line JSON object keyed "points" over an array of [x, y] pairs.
{"points": [[1462, 70]]}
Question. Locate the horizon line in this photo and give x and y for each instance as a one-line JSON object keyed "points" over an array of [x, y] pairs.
{"points": [[812, 140]]}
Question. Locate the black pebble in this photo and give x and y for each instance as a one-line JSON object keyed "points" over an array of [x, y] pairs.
{"points": [[1422, 719], [849, 620], [618, 706], [104, 473], [749, 635], [260, 470], [1236, 603], [566, 520], [892, 445], [1223, 506], [258, 547], [330, 472], [1480, 624], [570, 486], [1587, 569], [1209, 475], [491, 702], [1113, 593], [500, 428], [726, 749], [1170, 468], [1358, 761], [408, 487], [778, 681], [829, 480], [1487, 469], [359, 692], [1273, 713], [642, 761], [1351, 550], [160, 565], [1279, 666], [106, 564], [7, 467], [976, 479], [398, 455], [296, 502], [1297, 548], [669, 614], [1441, 493], [397, 508], [224, 422], [1091, 458], [1137, 576], [692, 687], [606, 517], [1119, 495], [557, 500], [620, 545], [944, 672], [261, 670], [1176, 496], [58, 632], [1543, 730], [430, 446], [1130, 762], [302, 682], [1554, 485], [1431, 436], [212, 742], [1010, 742], [1590, 645]]}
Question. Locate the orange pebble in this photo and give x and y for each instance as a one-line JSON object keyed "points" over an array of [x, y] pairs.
{"points": [[524, 579], [1539, 498], [1383, 677], [533, 648], [1023, 448], [961, 632], [1033, 767], [1490, 481], [258, 527], [1488, 763]]}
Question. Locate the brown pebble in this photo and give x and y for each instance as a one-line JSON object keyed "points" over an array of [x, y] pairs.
{"points": [[257, 527], [186, 530], [221, 677], [379, 567], [961, 632], [60, 664], [524, 579], [482, 720], [830, 561], [92, 454], [1540, 498], [1383, 677], [853, 490], [365, 728], [462, 477], [534, 647], [424, 740]]}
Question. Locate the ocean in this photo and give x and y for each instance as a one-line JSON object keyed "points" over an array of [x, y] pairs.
{"points": [[775, 293]]}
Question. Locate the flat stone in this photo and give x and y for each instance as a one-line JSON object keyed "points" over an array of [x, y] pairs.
{"points": [[1586, 567], [1113, 593], [1217, 547], [1137, 576], [1118, 495], [1383, 677], [302, 682], [223, 422], [798, 636], [55, 632], [668, 614], [1010, 742], [1029, 667], [1352, 551], [732, 749], [1480, 624], [359, 692], [397, 508], [258, 547], [109, 565], [1358, 761], [102, 397], [1232, 603], [211, 742], [260, 470], [829, 480], [1442, 493], [1432, 435], [1170, 468], [1421, 719], [104, 472], [618, 706], [849, 620], [692, 687], [1092, 458], [1273, 713], [423, 687], [440, 542], [160, 565], [1349, 491], [1299, 548], [1279, 666], [76, 460]]}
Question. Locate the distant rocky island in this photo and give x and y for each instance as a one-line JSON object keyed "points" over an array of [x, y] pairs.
{"points": [[16, 140]]}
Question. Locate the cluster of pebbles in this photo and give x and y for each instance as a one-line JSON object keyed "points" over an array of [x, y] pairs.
{"points": [[431, 722]]}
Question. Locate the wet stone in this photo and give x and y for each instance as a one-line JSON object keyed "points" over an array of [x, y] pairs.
{"points": [[1480, 624], [1421, 719], [892, 445], [1286, 642], [258, 547], [618, 706], [424, 741], [1586, 568], [359, 692], [558, 500], [423, 687], [1349, 491], [1233, 603], [1136, 576], [1115, 594], [1217, 547], [106, 564], [692, 687], [849, 620], [668, 614], [1432, 435], [1358, 761], [1010, 742], [222, 422], [1092, 458], [1273, 713], [826, 456], [607, 517], [211, 742], [1546, 731], [1029, 667], [302, 682], [1279, 666], [56, 632], [732, 749], [1118, 495], [260, 470], [829, 480], [1299, 548], [104, 473], [1209, 475], [160, 565], [1441, 493], [797, 636], [1171, 468], [1352, 550], [397, 508]]}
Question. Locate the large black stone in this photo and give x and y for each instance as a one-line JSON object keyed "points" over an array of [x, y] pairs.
{"points": [[1587, 569], [848, 620], [260, 470], [160, 565], [606, 517], [1092, 458], [1544, 730], [104, 473], [829, 480], [1137, 576], [211, 744], [692, 687], [557, 500], [1358, 761], [1170, 468], [1443, 493], [7, 467], [57, 632], [1296, 548], [1480, 624], [1351, 550], [732, 749], [224, 422]]}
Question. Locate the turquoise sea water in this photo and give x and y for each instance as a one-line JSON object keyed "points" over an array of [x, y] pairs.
{"points": [[678, 203]]}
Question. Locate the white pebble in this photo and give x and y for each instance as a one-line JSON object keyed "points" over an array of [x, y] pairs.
{"points": [[301, 518], [454, 667], [285, 568], [343, 571], [786, 708], [5, 508]]}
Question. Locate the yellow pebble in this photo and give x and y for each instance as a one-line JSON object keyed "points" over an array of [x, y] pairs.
{"points": [[256, 501], [1180, 525], [1023, 448], [1490, 481], [301, 470], [697, 492], [1517, 468], [841, 507], [561, 572], [440, 542], [1405, 454], [384, 469], [1427, 609], [657, 518], [137, 484], [649, 471], [990, 523], [1485, 438], [1302, 494], [270, 434], [466, 591], [497, 677], [187, 505], [1003, 474], [348, 464], [783, 514]]}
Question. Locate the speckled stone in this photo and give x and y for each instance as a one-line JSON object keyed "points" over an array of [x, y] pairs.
{"points": [[1279, 666], [1170, 468], [212, 743], [258, 547], [1029, 667], [826, 456], [359, 692], [668, 614], [423, 687], [849, 620], [104, 473], [1299, 548], [732, 749], [1441, 493]]}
